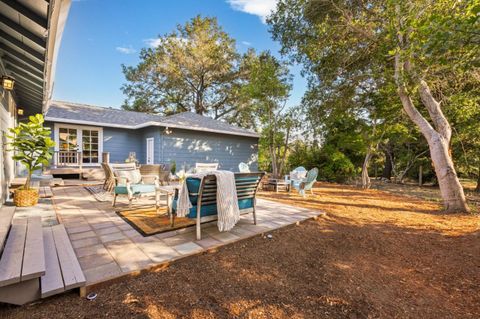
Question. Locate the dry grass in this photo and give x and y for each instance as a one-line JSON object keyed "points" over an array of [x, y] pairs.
{"points": [[375, 255]]}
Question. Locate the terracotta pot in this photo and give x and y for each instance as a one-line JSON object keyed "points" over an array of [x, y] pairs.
{"points": [[25, 197]]}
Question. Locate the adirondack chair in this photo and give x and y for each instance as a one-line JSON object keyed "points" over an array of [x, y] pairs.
{"points": [[306, 184], [131, 183], [243, 168]]}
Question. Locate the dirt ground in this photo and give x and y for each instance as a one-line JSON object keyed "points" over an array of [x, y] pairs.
{"points": [[375, 255]]}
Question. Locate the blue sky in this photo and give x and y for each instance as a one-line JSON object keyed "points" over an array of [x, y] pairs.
{"points": [[100, 35]]}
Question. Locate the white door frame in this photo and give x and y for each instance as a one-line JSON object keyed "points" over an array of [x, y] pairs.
{"points": [[150, 152], [79, 129]]}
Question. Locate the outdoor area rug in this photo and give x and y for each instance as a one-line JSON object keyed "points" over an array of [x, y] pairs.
{"points": [[99, 193], [148, 222]]}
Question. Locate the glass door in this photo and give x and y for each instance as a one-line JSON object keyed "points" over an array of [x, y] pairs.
{"points": [[90, 147], [68, 146]]}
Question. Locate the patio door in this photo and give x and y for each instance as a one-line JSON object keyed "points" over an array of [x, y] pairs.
{"points": [[67, 146], [150, 150], [78, 145]]}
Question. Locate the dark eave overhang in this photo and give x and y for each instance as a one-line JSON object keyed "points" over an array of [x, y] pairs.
{"points": [[30, 32]]}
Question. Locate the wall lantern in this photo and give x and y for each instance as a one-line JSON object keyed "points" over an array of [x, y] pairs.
{"points": [[20, 111], [167, 131], [8, 83]]}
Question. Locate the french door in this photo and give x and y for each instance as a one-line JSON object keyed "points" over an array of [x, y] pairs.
{"points": [[77, 145]]}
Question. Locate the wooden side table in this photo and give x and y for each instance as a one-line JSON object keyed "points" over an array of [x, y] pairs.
{"points": [[279, 184], [169, 191]]}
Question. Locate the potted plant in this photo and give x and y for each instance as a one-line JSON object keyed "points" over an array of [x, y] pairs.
{"points": [[32, 145]]}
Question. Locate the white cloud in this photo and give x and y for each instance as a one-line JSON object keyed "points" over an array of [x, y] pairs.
{"points": [[126, 50], [155, 42], [246, 43], [261, 8]]}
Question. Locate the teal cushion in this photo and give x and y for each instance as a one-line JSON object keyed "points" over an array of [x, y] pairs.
{"points": [[193, 185], [143, 188], [136, 189], [209, 210]]}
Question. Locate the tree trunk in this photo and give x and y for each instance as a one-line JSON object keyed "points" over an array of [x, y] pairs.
{"points": [[450, 187], [365, 178], [477, 189], [438, 137], [389, 156]]}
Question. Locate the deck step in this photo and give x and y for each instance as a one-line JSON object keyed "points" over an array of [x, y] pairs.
{"points": [[34, 255], [6, 216], [52, 282], [72, 273], [12, 257]]}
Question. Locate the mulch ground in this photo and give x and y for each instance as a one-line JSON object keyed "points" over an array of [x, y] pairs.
{"points": [[375, 255]]}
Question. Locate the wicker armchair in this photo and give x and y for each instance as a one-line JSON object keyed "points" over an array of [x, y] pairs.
{"points": [[160, 170]]}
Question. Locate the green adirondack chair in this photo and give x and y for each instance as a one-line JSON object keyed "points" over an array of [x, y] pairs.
{"points": [[307, 183]]}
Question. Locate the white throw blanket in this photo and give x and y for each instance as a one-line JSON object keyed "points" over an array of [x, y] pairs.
{"points": [[227, 200]]}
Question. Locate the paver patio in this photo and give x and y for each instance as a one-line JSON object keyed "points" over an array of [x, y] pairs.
{"points": [[107, 247]]}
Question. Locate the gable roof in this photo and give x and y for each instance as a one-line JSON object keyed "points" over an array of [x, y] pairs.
{"points": [[68, 112]]}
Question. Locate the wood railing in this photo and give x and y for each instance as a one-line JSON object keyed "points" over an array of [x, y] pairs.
{"points": [[68, 158]]}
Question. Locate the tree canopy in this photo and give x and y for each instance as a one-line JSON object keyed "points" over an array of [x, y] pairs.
{"points": [[194, 68]]}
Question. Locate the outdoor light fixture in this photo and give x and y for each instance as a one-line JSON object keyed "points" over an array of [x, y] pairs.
{"points": [[7, 83], [167, 131], [20, 111]]}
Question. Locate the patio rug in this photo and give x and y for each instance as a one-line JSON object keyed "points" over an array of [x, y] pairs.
{"points": [[99, 193], [148, 222]]}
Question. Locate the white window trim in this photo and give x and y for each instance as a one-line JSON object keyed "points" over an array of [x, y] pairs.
{"points": [[79, 129]]}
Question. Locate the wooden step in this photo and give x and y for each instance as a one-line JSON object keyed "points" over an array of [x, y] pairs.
{"points": [[72, 273], [52, 282], [33, 255], [63, 269], [6, 216], [12, 257], [23, 258]]}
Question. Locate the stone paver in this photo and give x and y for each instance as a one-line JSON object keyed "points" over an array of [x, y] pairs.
{"points": [[111, 237], [85, 242], [82, 235], [94, 261], [208, 242], [188, 248], [102, 273], [108, 247], [91, 250]]}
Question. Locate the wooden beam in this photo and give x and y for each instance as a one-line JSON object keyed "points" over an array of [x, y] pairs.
{"points": [[23, 63], [20, 45], [19, 78], [25, 73], [23, 31], [22, 66], [28, 88], [14, 52], [26, 12], [28, 95]]}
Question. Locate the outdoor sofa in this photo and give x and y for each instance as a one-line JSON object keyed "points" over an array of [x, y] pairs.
{"points": [[203, 196]]}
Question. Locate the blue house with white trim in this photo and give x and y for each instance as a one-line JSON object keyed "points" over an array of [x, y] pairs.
{"points": [[86, 133]]}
